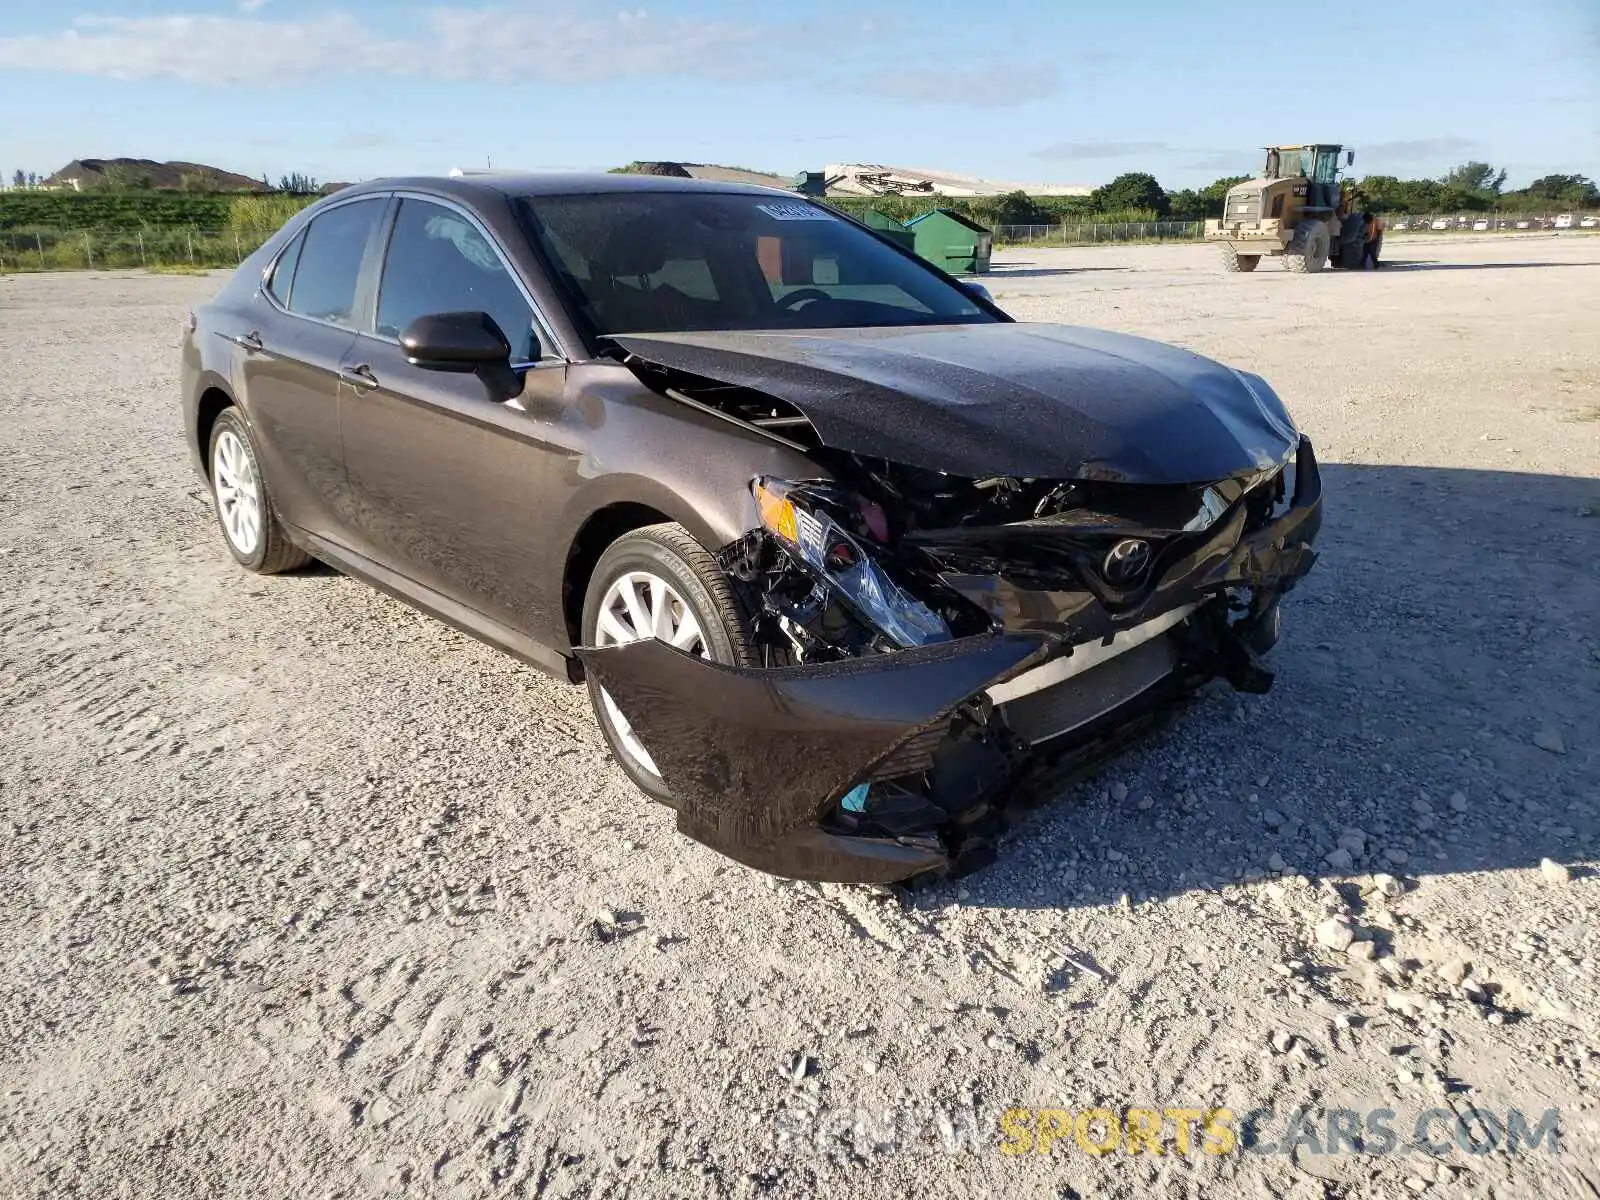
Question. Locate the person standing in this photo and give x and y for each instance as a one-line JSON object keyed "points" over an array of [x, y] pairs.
{"points": [[1374, 227]]}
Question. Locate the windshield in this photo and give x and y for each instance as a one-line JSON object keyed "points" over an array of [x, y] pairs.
{"points": [[675, 262]]}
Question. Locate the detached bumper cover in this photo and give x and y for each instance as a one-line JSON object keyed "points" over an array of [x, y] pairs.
{"points": [[756, 758]]}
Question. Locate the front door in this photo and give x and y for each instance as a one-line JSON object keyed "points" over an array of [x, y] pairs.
{"points": [[453, 484]]}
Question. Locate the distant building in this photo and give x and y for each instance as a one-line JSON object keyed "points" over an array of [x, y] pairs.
{"points": [[876, 179]]}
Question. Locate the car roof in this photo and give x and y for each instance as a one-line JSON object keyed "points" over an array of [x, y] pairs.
{"points": [[555, 183]]}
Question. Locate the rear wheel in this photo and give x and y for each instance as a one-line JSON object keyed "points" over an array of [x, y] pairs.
{"points": [[244, 506], [658, 582], [1234, 262]]}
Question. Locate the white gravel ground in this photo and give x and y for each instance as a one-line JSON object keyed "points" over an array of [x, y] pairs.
{"points": [[307, 895]]}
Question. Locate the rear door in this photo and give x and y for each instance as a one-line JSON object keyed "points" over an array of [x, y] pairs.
{"points": [[454, 486], [292, 360]]}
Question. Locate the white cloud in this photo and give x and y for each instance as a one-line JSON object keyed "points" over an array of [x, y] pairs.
{"points": [[535, 41], [526, 43]]}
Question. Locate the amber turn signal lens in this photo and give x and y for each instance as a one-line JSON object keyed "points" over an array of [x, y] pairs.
{"points": [[777, 514]]}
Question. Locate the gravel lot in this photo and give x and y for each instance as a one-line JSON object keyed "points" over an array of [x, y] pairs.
{"points": [[308, 895]]}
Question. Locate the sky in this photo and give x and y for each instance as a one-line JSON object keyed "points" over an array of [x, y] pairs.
{"points": [[1027, 90]]}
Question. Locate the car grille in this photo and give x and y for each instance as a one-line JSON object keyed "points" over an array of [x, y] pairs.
{"points": [[1042, 715], [1245, 208], [912, 757]]}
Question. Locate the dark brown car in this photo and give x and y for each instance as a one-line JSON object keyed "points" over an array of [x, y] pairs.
{"points": [[841, 550]]}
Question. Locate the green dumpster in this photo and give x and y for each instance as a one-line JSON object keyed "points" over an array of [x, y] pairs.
{"points": [[952, 242], [890, 228]]}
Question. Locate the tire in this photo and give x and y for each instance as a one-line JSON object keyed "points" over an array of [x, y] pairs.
{"points": [[666, 554], [1308, 249], [250, 527], [1233, 262]]}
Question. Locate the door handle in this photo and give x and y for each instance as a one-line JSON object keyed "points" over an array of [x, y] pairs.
{"points": [[249, 341], [359, 377]]}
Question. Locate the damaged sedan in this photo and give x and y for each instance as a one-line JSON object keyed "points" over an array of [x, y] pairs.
{"points": [[842, 552]]}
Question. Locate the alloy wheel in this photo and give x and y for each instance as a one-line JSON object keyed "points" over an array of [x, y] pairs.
{"points": [[641, 604], [233, 477]]}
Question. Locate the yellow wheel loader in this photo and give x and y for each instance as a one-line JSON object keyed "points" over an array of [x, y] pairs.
{"points": [[1297, 210]]}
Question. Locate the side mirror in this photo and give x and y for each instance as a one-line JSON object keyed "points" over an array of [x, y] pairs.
{"points": [[1349, 158], [463, 342], [978, 290]]}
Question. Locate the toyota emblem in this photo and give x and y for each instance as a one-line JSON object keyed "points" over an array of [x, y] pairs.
{"points": [[1127, 562]]}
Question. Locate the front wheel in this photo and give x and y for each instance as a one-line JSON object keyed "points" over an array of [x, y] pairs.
{"points": [[1307, 253], [1234, 262], [658, 582]]}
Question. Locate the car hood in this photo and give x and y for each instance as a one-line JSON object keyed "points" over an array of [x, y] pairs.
{"points": [[1012, 398]]}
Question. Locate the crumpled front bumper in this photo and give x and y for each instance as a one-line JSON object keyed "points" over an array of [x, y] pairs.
{"points": [[758, 758]]}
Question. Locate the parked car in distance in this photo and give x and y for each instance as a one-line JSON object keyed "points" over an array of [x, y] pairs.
{"points": [[840, 549], [1441, 223], [1589, 223], [1480, 224], [1564, 221]]}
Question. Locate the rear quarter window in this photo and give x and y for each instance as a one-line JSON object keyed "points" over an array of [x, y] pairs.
{"points": [[281, 280]]}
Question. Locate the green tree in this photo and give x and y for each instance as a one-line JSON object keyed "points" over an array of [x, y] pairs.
{"points": [[297, 184], [19, 178], [1185, 205], [1576, 190], [1012, 208], [1135, 190], [1476, 177], [1458, 199]]}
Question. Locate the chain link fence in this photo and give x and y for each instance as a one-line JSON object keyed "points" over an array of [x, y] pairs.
{"points": [[1078, 234], [76, 249]]}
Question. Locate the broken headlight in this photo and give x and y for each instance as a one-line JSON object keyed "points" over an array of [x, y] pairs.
{"points": [[840, 562]]}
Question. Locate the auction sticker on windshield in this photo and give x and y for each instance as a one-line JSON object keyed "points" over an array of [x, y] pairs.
{"points": [[795, 212]]}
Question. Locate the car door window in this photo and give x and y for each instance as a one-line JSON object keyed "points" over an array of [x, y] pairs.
{"points": [[329, 269], [283, 271], [439, 261]]}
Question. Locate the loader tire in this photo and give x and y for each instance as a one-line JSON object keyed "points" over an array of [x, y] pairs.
{"points": [[1307, 252], [1352, 250], [1234, 262]]}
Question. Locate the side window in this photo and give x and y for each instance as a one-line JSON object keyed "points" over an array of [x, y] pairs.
{"points": [[439, 262], [330, 261], [283, 272]]}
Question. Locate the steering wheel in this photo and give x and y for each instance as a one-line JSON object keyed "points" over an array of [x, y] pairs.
{"points": [[803, 296]]}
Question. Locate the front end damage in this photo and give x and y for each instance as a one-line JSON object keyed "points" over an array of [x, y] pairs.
{"points": [[929, 643]]}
